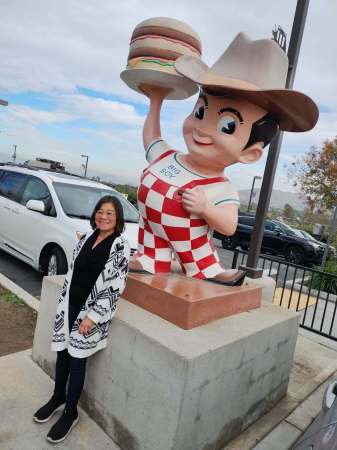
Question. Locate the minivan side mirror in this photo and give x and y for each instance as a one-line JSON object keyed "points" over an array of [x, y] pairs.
{"points": [[36, 205]]}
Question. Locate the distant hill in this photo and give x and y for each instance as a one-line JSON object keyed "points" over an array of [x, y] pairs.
{"points": [[278, 199]]}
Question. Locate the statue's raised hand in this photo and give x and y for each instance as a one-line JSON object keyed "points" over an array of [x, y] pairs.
{"points": [[154, 92]]}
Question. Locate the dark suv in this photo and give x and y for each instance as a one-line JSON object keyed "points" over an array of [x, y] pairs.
{"points": [[278, 239]]}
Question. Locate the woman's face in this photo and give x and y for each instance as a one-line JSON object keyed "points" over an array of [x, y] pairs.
{"points": [[105, 218]]}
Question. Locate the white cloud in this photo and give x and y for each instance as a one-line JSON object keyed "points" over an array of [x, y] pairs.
{"points": [[25, 113], [99, 110], [55, 47], [76, 106], [49, 46], [115, 156]]}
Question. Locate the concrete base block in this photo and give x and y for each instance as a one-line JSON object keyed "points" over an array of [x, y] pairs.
{"points": [[268, 286], [159, 387]]}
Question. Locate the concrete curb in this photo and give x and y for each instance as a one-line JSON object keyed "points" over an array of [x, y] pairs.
{"points": [[314, 292], [31, 301], [289, 430], [314, 368]]}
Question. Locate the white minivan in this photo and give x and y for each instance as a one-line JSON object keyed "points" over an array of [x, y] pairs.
{"points": [[42, 213]]}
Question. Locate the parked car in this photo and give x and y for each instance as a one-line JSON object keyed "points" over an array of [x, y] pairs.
{"points": [[322, 433], [43, 212], [278, 239], [306, 235]]}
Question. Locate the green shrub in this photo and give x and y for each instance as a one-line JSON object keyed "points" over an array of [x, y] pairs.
{"points": [[327, 281]]}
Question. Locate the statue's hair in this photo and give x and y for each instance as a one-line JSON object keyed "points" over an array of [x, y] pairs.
{"points": [[263, 130]]}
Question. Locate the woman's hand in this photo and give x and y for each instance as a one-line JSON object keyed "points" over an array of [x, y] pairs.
{"points": [[86, 325], [194, 201]]}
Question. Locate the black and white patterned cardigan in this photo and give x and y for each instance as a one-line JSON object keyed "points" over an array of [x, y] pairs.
{"points": [[100, 305]]}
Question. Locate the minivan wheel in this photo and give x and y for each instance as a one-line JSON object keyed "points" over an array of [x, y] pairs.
{"points": [[56, 262], [294, 254]]}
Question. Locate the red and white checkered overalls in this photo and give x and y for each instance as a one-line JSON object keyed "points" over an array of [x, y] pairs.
{"points": [[165, 226]]}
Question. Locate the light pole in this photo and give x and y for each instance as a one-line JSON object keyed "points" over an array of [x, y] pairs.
{"points": [[275, 146], [85, 165], [257, 177], [14, 154], [3, 102], [332, 227]]}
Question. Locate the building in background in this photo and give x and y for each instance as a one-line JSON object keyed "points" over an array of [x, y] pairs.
{"points": [[43, 163]]}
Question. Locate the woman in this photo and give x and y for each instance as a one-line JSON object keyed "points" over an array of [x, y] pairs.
{"points": [[87, 303]]}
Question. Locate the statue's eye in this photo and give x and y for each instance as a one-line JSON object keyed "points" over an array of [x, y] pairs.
{"points": [[199, 111], [227, 124]]}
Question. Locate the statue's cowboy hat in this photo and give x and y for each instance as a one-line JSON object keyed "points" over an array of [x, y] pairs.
{"points": [[255, 70]]}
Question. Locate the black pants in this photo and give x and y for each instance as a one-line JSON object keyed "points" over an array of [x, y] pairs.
{"points": [[68, 367]]}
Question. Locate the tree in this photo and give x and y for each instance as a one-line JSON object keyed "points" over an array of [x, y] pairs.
{"points": [[309, 217], [315, 175], [288, 211], [130, 191]]}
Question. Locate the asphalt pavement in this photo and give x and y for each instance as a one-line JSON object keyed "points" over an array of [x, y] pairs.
{"points": [[21, 273]]}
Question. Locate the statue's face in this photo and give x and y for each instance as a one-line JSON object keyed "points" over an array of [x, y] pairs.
{"points": [[218, 129]]}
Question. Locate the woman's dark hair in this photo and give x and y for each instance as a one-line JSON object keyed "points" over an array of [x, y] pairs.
{"points": [[120, 225]]}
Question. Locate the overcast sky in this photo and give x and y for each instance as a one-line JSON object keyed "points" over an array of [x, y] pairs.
{"points": [[60, 66]]}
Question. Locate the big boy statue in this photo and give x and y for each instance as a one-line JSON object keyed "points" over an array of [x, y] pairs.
{"points": [[182, 197]]}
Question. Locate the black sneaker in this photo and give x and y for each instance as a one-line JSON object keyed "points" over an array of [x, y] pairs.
{"points": [[60, 430], [47, 411]]}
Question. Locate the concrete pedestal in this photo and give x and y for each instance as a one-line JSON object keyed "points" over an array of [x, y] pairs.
{"points": [[159, 387]]}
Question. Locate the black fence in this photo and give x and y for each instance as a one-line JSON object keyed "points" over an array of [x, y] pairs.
{"points": [[309, 291]]}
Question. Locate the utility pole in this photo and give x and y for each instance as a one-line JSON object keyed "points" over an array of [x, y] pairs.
{"points": [[332, 228], [257, 177], [85, 165], [14, 154], [275, 146], [3, 102]]}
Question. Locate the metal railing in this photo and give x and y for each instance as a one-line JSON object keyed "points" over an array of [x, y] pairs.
{"points": [[309, 291]]}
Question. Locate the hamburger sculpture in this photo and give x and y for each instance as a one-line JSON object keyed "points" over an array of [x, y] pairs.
{"points": [[242, 104], [155, 45]]}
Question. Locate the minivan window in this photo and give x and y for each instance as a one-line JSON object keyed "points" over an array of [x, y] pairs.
{"points": [[79, 201], [11, 184], [36, 189]]}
